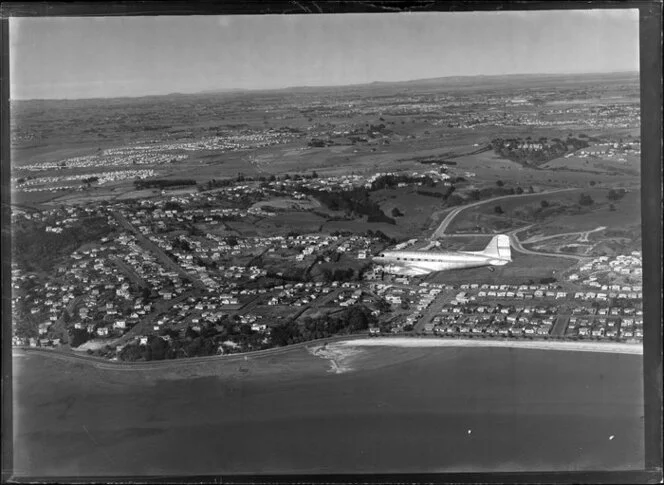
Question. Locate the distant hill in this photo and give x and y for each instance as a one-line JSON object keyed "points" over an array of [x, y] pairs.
{"points": [[459, 82], [475, 80], [223, 91]]}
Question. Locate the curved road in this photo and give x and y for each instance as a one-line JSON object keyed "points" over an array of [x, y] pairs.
{"points": [[516, 245], [450, 217], [584, 235]]}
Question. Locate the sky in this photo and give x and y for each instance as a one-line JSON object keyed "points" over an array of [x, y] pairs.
{"points": [[69, 58]]}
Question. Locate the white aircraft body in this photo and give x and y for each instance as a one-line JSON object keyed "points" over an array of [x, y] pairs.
{"points": [[415, 263]]}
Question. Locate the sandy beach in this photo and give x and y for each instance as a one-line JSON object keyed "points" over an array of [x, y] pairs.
{"points": [[612, 347]]}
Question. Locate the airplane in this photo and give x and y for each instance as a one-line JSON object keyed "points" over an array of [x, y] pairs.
{"points": [[416, 263]]}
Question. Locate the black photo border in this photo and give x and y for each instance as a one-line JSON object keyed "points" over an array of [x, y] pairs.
{"points": [[650, 32]]}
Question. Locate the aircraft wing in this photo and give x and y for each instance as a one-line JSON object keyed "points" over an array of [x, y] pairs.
{"points": [[417, 271]]}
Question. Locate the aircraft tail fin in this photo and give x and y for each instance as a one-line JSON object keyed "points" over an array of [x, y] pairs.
{"points": [[499, 248]]}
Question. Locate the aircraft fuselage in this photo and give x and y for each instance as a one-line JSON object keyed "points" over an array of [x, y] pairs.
{"points": [[497, 253]]}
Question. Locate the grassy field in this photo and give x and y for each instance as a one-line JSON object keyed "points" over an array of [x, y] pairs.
{"points": [[520, 211], [626, 216], [283, 203], [417, 209], [285, 222], [522, 269], [631, 166]]}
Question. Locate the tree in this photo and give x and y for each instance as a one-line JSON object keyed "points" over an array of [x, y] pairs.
{"points": [[357, 319], [544, 204], [616, 194], [498, 209], [78, 337], [586, 200], [383, 305], [500, 183], [158, 348]]}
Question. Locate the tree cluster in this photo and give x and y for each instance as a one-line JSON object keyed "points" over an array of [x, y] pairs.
{"points": [[78, 336], [38, 250], [339, 274], [163, 183], [391, 181], [356, 201], [521, 151], [354, 319], [616, 194]]}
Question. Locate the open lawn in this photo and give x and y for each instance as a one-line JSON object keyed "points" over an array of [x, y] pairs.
{"points": [[522, 269], [417, 209], [561, 215], [285, 222], [631, 166], [627, 215], [283, 203]]}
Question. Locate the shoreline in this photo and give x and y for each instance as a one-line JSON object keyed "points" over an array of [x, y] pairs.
{"points": [[331, 349], [611, 347]]}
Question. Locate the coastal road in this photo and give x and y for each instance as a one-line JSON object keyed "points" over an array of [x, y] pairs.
{"points": [[102, 363], [440, 231]]}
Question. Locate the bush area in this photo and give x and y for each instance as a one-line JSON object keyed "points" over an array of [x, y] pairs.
{"points": [[354, 319], [160, 184], [354, 201], [37, 250], [78, 337]]}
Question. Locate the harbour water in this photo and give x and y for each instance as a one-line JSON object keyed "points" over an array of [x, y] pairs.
{"points": [[392, 410]]}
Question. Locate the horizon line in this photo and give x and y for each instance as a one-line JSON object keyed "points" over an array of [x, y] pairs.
{"points": [[232, 90]]}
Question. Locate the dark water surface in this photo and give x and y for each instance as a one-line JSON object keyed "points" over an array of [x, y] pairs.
{"points": [[400, 410]]}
